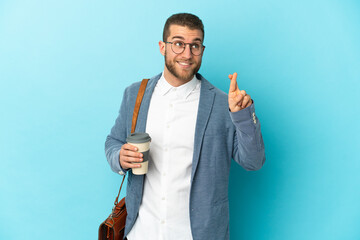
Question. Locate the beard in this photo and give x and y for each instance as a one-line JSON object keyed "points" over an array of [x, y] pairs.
{"points": [[184, 75]]}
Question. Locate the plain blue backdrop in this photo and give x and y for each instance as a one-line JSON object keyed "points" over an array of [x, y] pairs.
{"points": [[65, 64]]}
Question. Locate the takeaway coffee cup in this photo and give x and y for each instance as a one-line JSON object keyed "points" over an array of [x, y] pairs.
{"points": [[142, 142]]}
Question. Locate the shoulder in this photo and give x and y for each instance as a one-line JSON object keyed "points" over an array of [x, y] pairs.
{"points": [[219, 110], [220, 96], [133, 89]]}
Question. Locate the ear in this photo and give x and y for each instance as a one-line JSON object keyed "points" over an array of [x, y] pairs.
{"points": [[162, 47]]}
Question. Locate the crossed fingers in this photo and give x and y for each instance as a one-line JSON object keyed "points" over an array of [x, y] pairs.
{"points": [[238, 99]]}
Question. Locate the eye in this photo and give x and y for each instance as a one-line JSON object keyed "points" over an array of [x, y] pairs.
{"points": [[179, 44], [196, 46]]}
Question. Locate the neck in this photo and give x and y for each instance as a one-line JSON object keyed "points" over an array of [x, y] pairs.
{"points": [[174, 81]]}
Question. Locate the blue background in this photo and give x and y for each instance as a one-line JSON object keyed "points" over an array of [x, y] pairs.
{"points": [[64, 66]]}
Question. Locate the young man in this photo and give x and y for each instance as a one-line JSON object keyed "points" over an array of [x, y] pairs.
{"points": [[196, 130]]}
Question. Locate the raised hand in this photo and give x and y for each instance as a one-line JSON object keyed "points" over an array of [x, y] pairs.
{"points": [[238, 99]]}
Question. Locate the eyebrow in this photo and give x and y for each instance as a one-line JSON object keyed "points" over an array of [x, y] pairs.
{"points": [[182, 38]]}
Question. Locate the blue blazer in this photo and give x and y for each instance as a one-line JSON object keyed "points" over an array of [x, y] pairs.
{"points": [[219, 137]]}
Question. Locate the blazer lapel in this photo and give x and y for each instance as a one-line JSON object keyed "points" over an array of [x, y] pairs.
{"points": [[205, 106], [144, 107]]}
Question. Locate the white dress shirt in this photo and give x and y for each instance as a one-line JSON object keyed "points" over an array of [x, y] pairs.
{"points": [[164, 210]]}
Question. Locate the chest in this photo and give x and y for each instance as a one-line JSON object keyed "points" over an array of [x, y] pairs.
{"points": [[172, 121]]}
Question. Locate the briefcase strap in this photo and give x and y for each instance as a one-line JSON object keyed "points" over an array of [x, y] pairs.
{"points": [[117, 198], [134, 120], [138, 103]]}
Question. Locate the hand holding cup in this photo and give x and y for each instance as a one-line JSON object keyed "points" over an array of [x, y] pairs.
{"points": [[130, 157], [135, 153]]}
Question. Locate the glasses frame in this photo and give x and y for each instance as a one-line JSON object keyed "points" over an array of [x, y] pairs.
{"points": [[202, 48]]}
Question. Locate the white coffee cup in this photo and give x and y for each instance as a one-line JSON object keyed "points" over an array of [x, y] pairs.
{"points": [[142, 142]]}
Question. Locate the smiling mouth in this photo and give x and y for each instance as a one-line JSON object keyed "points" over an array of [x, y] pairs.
{"points": [[184, 64]]}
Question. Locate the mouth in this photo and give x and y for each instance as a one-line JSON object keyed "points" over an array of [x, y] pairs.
{"points": [[184, 64]]}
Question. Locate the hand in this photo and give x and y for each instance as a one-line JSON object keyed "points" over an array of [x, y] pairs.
{"points": [[129, 157], [238, 99]]}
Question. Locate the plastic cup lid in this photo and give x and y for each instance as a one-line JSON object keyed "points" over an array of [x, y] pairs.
{"points": [[138, 138]]}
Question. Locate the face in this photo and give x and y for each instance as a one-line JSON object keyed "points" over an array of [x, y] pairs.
{"points": [[180, 68]]}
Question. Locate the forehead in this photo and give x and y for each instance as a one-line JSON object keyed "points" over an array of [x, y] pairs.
{"points": [[185, 33]]}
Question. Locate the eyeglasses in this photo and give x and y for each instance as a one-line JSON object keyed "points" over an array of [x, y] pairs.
{"points": [[179, 47]]}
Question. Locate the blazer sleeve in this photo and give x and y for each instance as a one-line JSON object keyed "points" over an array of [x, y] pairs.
{"points": [[248, 148], [117, 137]]}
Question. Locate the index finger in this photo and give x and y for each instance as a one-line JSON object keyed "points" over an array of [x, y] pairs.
{"points": [[129, 147], [233, 83]]}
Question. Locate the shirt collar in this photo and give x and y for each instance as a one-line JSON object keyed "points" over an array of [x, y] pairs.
{"points": [[182, 91]]}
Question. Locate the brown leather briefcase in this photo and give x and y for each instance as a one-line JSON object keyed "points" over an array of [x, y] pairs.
{"points": [[113, 227]]}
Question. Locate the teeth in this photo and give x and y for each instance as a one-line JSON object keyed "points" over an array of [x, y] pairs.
{"points": [[184, 64]]}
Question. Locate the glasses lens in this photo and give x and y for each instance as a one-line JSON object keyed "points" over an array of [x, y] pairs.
{"points": [[178, 46], [196, 48]]}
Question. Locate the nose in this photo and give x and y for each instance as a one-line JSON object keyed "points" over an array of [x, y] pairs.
{"points": [[187, 52]]}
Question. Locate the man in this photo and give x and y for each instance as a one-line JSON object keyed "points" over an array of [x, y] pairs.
{"points": [[196, 130]]}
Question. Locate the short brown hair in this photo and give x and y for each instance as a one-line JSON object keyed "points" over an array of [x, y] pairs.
{"points": [[183, 19]]}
